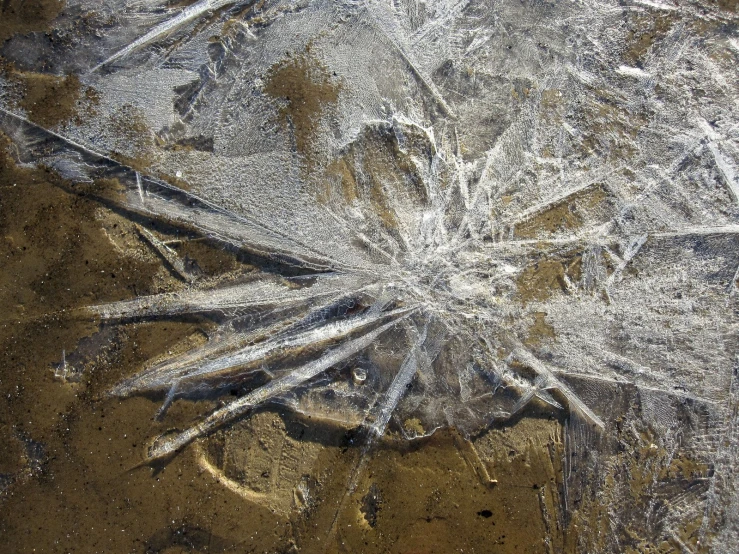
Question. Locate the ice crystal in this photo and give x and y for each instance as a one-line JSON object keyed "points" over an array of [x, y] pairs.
{"points": [[459, 207]]}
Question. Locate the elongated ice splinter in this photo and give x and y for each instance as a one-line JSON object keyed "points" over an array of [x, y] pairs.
{"points": [[257, 294], [548, 381], [226, 342], [185, 16], [165, 446], [282, 344], [415, 358], [174, 261]]}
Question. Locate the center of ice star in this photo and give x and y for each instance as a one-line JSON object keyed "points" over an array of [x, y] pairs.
{"points": [[440, 285]]}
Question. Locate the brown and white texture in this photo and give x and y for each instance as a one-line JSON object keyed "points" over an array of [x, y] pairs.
{"points": [[454, 212]]}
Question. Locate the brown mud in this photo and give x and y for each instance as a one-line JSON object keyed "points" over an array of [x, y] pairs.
{"points": [[22, 16], [306, 91], [48, 100]]}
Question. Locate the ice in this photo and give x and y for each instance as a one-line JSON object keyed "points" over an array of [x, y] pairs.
{"points": [[165, 446], [280, 344], [460, 212], [185, 16]]}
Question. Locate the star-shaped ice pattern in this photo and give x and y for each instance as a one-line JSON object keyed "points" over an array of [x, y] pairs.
{"points": [[459, 209]]}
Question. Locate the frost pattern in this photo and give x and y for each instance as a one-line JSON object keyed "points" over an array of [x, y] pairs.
{"points": [[488, 206]]}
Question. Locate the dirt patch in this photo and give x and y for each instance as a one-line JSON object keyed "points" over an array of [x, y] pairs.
{"points": [[729, 5], [55, 255], [424, 497], [540, 280], [47, 99], [431, 499], [210, 259], [377, 172], [24, 16], [539, 331], [643, 469], [545, 277], [643, 31], [609, 129], [569, 214], [134, 140], [305, 91], [68, 475]]}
